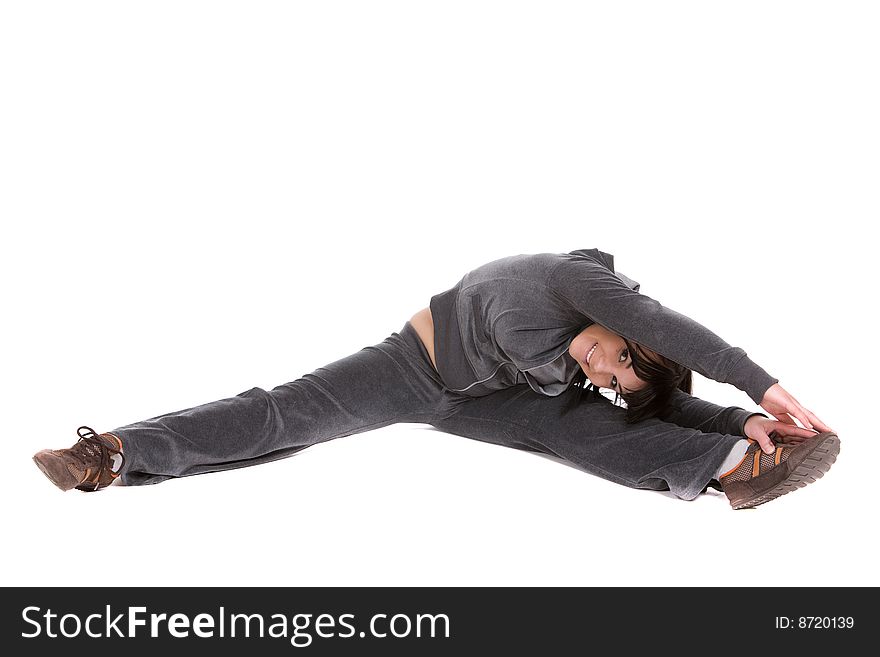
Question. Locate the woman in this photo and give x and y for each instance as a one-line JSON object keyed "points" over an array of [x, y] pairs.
{"points": [[503, 357]]}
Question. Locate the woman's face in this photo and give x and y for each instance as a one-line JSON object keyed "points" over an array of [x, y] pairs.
{"points": [[610, 363]]}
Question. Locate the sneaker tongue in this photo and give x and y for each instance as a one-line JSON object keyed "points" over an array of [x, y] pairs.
{"points": [[113, 444]]}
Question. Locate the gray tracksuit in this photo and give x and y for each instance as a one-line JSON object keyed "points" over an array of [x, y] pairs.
{"points": [[501, 339]]}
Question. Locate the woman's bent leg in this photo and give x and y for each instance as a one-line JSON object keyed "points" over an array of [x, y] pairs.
{"points": [[591, 433], [379, 385]]}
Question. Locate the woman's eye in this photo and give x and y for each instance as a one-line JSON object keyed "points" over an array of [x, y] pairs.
{"points": [[613, 382], [625, 354]]}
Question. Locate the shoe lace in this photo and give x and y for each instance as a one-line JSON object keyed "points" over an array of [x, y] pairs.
{"points": [[90, 450]]}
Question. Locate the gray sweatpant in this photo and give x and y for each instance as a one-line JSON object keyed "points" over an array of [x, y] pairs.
{"points": [[394, 381]]}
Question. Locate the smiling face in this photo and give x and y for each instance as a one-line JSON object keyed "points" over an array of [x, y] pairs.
{"points": [[605, 359]]}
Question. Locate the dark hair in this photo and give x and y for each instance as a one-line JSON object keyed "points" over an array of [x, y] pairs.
{"points": [[662, 377]]}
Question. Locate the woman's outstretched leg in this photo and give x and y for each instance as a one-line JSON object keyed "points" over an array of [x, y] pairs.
{"points": [[379, 385], [590, 432]]}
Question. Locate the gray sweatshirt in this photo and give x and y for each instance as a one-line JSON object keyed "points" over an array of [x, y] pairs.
{"points": [[511, 321]]}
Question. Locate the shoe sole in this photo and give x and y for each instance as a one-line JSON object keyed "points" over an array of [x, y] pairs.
{"points": [[813, 467], [49, 475]]}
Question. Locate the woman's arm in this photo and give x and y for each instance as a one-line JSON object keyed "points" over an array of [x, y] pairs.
{"points": [[688, 411], [594, 290]]}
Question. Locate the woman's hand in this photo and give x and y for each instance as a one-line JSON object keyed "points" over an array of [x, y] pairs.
{"points": [[759, 428], [778, 402]]}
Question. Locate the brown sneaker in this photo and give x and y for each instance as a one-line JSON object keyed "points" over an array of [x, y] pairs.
{"points": [[88, 465], [761, 477]]}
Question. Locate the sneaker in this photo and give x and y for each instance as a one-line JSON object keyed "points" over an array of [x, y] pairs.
{"points": [[761, 477], [94, 462]]}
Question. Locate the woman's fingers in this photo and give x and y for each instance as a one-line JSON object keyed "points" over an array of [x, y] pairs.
{"points": [[786, 409], [766, 443], [784, 419], [804, 421], [817, 423], [769, 433], [793, 432], [806, 418]]}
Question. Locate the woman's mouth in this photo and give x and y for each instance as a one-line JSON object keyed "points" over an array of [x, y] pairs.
{"points": [[590, 354]]}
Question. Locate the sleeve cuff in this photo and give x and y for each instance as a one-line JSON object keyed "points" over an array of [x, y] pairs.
{"points": [[741, 422], [752, 379]]}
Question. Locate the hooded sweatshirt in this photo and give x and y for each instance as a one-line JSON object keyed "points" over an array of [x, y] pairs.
{"points": [[512, 320]]}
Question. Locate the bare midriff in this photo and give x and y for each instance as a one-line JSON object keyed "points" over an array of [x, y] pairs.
{"points": [[423, 323]]}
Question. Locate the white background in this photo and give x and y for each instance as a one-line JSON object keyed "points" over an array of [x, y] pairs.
{"points": [[203, 197]]}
